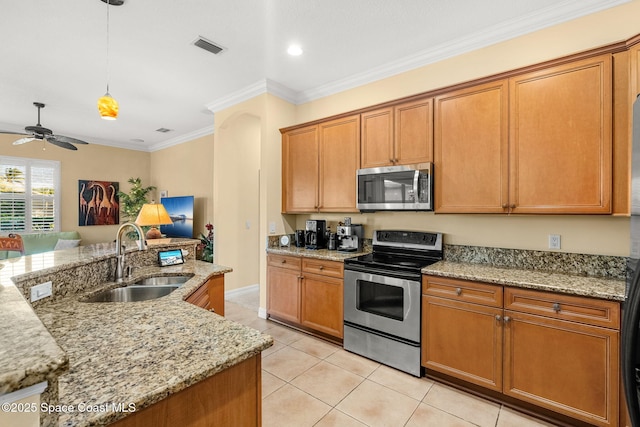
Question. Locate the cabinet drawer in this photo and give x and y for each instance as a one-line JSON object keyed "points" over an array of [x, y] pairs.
{"points": [[567, 307], [323, 267], [284, 261], [462, 290]]}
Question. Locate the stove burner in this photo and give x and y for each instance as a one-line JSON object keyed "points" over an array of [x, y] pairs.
{"points": [[400, 251]]}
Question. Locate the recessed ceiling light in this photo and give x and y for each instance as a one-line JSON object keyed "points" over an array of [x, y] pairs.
{"points": [[294, 50]]}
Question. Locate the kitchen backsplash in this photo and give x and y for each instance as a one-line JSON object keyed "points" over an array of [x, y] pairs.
{"points": [[570, 263], [580, 264], [69, 280]]}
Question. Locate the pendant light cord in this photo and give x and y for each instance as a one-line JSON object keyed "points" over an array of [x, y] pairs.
{"points": [[108, 4]]}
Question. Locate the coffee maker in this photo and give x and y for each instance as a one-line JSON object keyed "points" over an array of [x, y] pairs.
{"points": [[315, 234], [350, 236]]}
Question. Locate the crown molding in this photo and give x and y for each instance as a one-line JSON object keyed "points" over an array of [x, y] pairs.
{"points": [[258, 88], [561, 12], [182, 138], [553, 15]]}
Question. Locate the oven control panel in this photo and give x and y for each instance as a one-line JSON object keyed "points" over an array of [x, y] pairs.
{"points": [[408, 239]]}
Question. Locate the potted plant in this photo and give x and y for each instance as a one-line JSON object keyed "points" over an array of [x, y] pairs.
{"points": [[131, 202], [205, 247]]}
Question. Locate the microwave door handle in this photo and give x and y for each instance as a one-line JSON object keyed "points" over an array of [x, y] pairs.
{"points": [[416, 176]]}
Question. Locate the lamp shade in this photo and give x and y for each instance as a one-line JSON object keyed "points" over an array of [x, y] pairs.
{"points": [[108, 107], [153, 214]]}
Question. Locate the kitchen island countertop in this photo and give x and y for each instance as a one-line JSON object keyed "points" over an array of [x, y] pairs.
{"points": [[133, 353], [141, 352], [596, 287]]}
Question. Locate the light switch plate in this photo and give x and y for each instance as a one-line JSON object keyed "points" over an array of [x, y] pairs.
{"points": [[42, 290]]}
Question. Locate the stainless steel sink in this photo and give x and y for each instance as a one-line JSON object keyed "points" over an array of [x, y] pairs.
{"points": [[142, 290], [162, 280], [133, 293]]}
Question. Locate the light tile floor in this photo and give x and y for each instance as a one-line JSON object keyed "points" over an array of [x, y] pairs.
{"points": [[310, 382]]}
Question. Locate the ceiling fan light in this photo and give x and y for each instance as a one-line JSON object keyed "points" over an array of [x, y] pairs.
{"points": [[108, 107]]}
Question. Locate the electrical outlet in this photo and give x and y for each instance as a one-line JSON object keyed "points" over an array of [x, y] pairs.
{"points": [[554, 241], [42, 290], [272, 228]]}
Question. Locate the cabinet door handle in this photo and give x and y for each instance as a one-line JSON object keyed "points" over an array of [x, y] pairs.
{"points": [[512, 206], [458, 291], [556, 307], [507, 319], [284, 261], [498, 317], [322, 267]]}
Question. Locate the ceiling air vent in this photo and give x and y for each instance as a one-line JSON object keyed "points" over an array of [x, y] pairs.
{"points": [[207, 45], [163, 130]]}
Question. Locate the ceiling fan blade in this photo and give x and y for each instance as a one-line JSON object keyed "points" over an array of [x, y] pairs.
{"points": [[69, 139], [52, 139], [23, 140], [10, 132]]}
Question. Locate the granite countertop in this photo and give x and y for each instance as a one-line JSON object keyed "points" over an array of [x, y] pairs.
{"points": [[109, 353], [28, 352], [141, 352], [597, 287], [315, 253]]}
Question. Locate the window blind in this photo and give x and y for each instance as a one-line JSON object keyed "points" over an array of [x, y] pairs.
{"points": [[29, 195]]}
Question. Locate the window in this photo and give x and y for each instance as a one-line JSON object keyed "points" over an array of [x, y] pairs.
{"points": [[29, 195]]}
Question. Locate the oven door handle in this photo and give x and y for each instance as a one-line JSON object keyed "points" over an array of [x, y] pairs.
{"points": [[383, 272]]}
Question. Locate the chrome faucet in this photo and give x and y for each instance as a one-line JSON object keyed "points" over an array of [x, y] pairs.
{"points": [[120, 247]]}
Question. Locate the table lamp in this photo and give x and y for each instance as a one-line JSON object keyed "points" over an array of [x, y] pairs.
{"points": [[153, 214]]}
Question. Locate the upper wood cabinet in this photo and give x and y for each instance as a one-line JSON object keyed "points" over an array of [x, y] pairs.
{"points": [[549, 138], [471, 149], [626, 88], [560, 138], [339, 160], [377, 138], [414, 132], [541, 145], [319, 166], [300, 170], [398, 135]]}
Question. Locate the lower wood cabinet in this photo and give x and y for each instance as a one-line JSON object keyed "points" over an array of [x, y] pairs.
{"points": [[210, 295], [559, 352], [232, 397], [306, 292], [453, 331], [321, 306], [283, 287]]}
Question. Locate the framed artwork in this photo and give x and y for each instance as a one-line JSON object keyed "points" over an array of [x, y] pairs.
{"points": [[180, 209], [98, 203]]}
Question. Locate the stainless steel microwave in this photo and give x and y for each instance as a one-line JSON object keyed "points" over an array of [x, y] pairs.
{"points": [[395, 188]]}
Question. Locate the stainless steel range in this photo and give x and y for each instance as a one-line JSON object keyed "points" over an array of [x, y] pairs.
{"points": [[382, 301]]}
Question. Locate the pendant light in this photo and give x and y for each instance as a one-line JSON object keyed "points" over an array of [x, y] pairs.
{"points": [[107, 106]]}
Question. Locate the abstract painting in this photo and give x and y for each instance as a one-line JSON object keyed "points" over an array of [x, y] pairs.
{"points": [[98, 203]]}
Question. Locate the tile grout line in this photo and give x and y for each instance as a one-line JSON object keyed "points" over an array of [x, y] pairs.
{"points": [[363, 378]]}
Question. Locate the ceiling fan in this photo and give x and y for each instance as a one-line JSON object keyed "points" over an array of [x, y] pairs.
{"points": [[42, 133]]}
